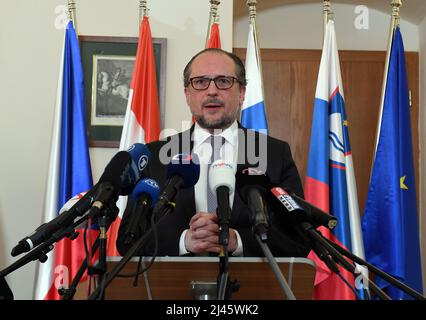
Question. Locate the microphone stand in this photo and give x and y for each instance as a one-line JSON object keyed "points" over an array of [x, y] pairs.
{"points": [[5, 292], [223, 212], [68, 294], [222, 279], [129, 254], [40, 252], [108, 215], [402, 286], [322, 242], [275, 268]]}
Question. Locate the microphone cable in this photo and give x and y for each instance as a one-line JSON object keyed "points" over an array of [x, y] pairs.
{"points": [[154, 256], [350, 286]]}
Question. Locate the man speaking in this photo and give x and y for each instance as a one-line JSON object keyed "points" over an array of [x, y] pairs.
{"points": [[215, 86]]}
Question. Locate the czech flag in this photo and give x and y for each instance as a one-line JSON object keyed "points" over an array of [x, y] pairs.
{"points": [[69, 170]]}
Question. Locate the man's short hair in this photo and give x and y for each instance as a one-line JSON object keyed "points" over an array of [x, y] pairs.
{"points": [[240, 70]]}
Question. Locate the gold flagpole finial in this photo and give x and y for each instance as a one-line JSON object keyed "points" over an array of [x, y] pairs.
{"points": [[327, 14], [252, 9], [143, 9], [326, 8], [214, 4], [213, 17], [72, 14], [396, 5]]}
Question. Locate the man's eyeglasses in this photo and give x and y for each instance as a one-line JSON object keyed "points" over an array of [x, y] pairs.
{"points": [[221, 82]]}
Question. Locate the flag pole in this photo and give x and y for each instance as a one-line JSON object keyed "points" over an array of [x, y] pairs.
{"points": [[252, 20], [396, 5], [72, 14], [213, 17], [327, 14], [252, 10], [143, 10]]}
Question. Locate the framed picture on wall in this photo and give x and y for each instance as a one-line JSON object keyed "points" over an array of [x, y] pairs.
{"points": [[108, 68], [110, 89]]}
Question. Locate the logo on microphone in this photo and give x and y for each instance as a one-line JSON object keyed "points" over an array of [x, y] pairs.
{"points": [[152, 183], [252, 172], [285, 199], [131, 148], [221, 164], [182, 158], [143, 161]]}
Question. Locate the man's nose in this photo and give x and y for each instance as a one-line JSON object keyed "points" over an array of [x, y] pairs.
{"points": [[212, 89]]}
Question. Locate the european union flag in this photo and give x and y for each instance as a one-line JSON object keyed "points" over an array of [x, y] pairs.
{"points": [[390, 221]]}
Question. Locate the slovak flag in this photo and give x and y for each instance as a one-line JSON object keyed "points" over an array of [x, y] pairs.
{"points": [[69, 170], [330, 180], [142, 119], [253, 110]]}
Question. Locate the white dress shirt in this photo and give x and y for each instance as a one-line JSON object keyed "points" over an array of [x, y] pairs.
{"points": [[229, 154]]}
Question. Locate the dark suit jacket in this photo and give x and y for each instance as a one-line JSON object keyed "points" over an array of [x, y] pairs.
{"points": [[281, 170]]}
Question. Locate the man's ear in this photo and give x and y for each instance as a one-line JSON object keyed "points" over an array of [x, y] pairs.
{"points": [[187, 95], [242, 94]]}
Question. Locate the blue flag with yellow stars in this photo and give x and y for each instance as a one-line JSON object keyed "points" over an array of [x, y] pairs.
{"points": [[390, 222]]}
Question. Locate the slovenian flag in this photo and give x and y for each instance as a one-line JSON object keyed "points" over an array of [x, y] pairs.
{"points": [[390, 221], [69, 170], [330, 180], [142, 119], [253, 110]]}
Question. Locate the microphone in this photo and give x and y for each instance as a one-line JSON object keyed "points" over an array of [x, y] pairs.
{"points": [[183, 171], [125, 168], [222, 182], [252, 185], [144, 197], [121, 175], [301, 211], [118, 178], [306, 217]]}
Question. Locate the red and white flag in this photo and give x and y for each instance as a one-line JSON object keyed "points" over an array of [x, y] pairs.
{"points": [[214, 39], [142, 120], [212, 42]]}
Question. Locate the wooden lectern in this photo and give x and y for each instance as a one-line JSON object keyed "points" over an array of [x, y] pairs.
{"points": [[177, 278]]}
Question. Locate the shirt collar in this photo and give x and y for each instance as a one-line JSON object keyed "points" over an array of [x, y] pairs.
{"points": [[230, 134]]}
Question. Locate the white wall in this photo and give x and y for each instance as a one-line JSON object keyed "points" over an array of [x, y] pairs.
{"points": [[29, 61], [422, 128], [301, 27], [29, 57]]}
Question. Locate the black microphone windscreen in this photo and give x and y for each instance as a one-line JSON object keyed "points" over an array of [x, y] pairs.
{"points": [[113, 171], [248, 178]]}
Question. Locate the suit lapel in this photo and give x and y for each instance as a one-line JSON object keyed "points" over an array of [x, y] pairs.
{"points": [[241, 163]]}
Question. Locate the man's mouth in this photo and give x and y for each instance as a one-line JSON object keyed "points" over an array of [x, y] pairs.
{"points": [[213, 105]]}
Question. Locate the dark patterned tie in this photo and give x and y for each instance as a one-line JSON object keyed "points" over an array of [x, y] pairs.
{"points": [[216, 142]]}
